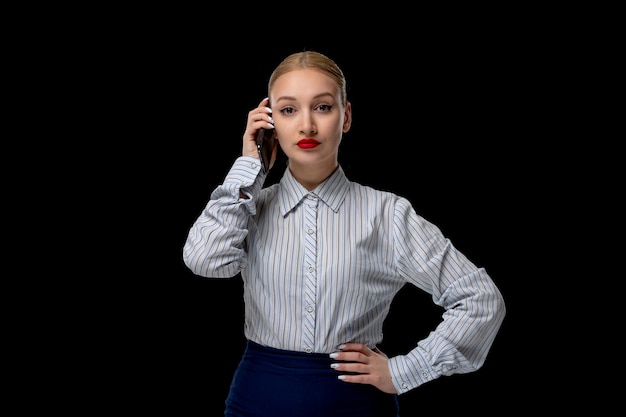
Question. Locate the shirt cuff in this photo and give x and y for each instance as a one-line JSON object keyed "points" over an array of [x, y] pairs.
{"points": [[410, 371]]}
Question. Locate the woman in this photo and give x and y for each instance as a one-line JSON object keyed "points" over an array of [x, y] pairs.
{"points": [[321, 260]]}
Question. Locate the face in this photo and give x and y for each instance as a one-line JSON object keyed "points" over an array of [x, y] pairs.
{"points": [[309, 117]]}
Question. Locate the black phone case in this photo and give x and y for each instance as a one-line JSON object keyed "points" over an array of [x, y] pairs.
{"points": [[265, 145]]}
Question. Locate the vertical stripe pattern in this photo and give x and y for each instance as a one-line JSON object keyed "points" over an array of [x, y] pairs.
{"points": [[321, 268]]}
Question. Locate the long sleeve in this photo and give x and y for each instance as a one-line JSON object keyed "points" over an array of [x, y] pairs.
{"points": [[474, 307], [321, 268], [215, 243]]}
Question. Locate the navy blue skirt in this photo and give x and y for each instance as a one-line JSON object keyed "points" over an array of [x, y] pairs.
{"points": [[271, 382]]}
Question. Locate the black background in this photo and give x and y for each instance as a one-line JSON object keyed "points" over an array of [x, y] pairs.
{"points": [[495, 122], [449, 120]]}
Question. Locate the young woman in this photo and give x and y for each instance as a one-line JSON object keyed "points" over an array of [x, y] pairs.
{"points": [[321, 260]]}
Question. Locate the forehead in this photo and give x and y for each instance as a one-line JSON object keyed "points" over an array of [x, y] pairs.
{"points": [[304, 84]]}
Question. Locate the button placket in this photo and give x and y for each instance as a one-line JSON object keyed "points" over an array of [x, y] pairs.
{"points": [[310, 282]]}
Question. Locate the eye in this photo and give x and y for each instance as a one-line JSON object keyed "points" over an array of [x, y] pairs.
{"points": [[324, 107], [287, 110]]}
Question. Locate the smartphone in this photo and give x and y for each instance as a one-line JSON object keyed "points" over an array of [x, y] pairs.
{"points": [[265, 146]]}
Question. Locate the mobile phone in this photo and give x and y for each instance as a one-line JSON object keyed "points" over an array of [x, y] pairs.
{"points": [[265, 146]]}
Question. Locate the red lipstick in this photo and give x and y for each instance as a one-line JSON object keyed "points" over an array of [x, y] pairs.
{"points": [[307, 143]]}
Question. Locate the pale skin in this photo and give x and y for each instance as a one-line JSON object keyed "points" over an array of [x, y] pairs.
{"points": [[306, 104]]}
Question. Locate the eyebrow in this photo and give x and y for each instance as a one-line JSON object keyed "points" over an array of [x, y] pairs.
{"points": [[314, 97]]}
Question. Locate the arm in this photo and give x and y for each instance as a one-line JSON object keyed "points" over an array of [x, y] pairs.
{"points": [[215, 243], [474, 307]]}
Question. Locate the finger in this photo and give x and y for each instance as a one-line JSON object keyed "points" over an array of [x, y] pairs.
{"points": [[261, 114], [352, 367], [355, 379], [355, 347], [355, 356], [264, 107]]}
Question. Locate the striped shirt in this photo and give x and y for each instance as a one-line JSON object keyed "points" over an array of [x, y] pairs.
{"points": [[321, 268]]}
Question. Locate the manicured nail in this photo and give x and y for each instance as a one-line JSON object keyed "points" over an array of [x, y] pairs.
{"points": [[334, 365], [334, 355], [342, 346], [342, 377], [269, 110]]}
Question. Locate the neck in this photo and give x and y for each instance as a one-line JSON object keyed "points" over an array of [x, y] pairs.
{"points": [[311, 176]]}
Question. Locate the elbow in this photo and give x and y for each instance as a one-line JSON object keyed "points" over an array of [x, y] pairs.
{"points": [[211, 268], [499, 306]]}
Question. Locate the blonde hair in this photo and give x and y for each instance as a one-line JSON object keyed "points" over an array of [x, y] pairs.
{"points": [[312, 60]]}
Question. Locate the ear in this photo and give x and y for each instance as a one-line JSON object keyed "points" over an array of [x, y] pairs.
{"points": [[347, 117]]}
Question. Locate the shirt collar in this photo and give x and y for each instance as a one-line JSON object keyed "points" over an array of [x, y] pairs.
{"points": [[332, 191]]}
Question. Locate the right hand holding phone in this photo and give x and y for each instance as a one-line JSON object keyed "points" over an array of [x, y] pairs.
{"points": [[258, 118]]}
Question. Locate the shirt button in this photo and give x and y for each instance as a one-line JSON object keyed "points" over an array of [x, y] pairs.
{"points": [[311, 269], [425, 374], [308, 350], [310, 231], [309, 309], [405, 385]]}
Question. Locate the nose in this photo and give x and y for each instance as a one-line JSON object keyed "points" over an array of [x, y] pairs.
{"points": [[307, 126]]}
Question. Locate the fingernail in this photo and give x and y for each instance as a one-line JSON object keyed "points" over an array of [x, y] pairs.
{"points": [[342, 377], [342, 346], [334, 365], [334, 355]]}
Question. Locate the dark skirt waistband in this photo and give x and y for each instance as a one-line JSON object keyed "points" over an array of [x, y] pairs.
{"points": [[271, 382]]}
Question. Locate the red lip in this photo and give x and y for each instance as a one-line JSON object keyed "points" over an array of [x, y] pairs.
{"points": [[308, 143]]}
